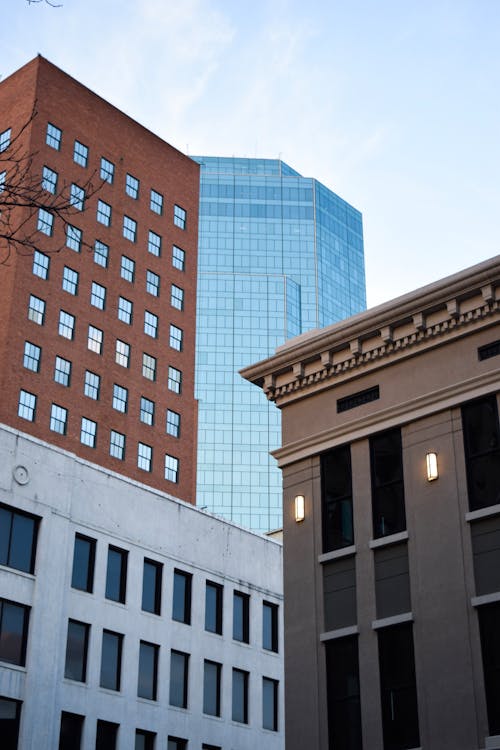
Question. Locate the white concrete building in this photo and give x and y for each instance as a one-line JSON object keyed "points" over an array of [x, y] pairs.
{"points": [[129, 619]]}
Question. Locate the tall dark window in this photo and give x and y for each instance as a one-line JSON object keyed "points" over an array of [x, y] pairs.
{"points": [[241, 616], [10, 713], [18, 534], [270, 704], [70, 734], [116, 575], [240, 696], [211, 687], [398, 688], [83, 563], [213, 607], [111, 660], [482, 451], [270, 626], [489, 626], [144, 740], [181, 606], [176, 743], [179, 665], [336, 484], [342, 678], [106, 735], [148, 670], [76, 651], [14, 620], [151, 586], [388, 497]]}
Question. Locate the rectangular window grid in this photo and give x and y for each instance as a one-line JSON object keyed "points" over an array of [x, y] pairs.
{"points": [[101, 254], [117, 445], [122, 355], [98, 295], [66, 325], [58, 419], [73, 238], [148, 366], [173, 425], [36, 310], [26, 406], [147, 413], [49, 180], [70, 280], [53, 136], [129, 228], [120, 398], [32, 354], [171, 468], [94, 339], [177, 297], [80, 154], [103, 215], [156, 202], [127, 269], [77, 197], [5, 139], [88, 432], [18, 539], [179, 217], [175, 337], [125, 310], [144, 456], [41, 264], [178, 258], [92, 385], [154, 243], [132, 186], [152, 283], [107, 170], [45, 222], [150, 324], [174, 380], [62, 371]]}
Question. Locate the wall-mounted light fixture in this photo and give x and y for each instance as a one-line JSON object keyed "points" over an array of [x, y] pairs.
{"points": [[432, 466], [299, 508]]}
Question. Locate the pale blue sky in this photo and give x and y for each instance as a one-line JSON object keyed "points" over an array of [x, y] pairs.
{"points": [[393, 104]]}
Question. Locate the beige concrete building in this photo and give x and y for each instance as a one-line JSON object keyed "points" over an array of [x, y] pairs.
{"points": [[392, 578]]}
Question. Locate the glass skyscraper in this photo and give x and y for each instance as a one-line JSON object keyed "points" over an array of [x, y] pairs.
{"points": [[279, 254]]}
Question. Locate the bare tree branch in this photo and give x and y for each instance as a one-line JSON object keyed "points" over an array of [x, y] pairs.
{"points": [[47, 2]]}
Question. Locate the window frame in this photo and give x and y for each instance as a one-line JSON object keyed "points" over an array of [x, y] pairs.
{"points": [[88, 565], [116, 574], [81, 651], [214, 595], [57, 413], [18, 640]]}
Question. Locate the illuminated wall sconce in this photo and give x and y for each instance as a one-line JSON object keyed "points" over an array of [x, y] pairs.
{"points": [[432, 466], [299, 508]]}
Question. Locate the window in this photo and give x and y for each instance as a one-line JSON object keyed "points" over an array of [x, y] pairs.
{"points": [[13, 632], [66, 325], [103, 215], [73, 238], [98, 295], [82, 576], [77, 197], [147, 413], [49, 180], [176, 743], [62, 371], [111, 660], [270, 704], [177, 297], [181, 606], [175, 338], [156, 202], [101, 254], [240, 696], [343, 693], [241, 617], [41, 263], [388, 500], [120, 398], [174, 380], [88, 432], [211, 688], [125, 310], [149, 366], [36, 310], [27, 406], [117, 445], [213, 607], [18, 539], [58, 418], [173, 423], [144, 456], [76, 651], [178, 258], [3, 176], [148, 670], [94, 340], [179, 217], [152, 283], [127, 270], [179, 666], [150, 324], [32, 354], [5, 139], [116, 574], [70, 280], [482, 451], [151, 586], [92, 385], [107, 171], [80, 154], [132, 186], [154, 243], [171, 468], [270, 626], [70, 734], [10, 714], [489, 628], [336, 485], [129, 228], [144, 740], [106, 735], [53, 137], [398, 690], [122, 355], [45, 222]]}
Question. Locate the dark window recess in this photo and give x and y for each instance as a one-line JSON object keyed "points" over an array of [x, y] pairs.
{"points": [[343, 704], [241, 616], [70, 734], [179, 664], [177, 743], [82, 577], [211, 688], [270, 704], [270, 626], [358, 399], [339, 591], [10, 713], [181, 605], [106, 735], [76, 651], [336, 485], [14, 620], [398, 688], [388, 497], [148, 670], [144, 740], [213, 608], [111, 660], [392, 581], [488, 350], [151, 587], [18, 535], [482, 452], [486, 554], [116, 575], [489, 627], [240, 696]]}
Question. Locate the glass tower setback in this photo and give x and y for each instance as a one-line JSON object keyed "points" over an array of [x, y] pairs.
{"points": [[279, 254]]}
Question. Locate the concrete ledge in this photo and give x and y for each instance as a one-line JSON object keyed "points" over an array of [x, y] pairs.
{"points": [[340, 633], [401, 536], [335, 554], [386, 622], [491, 510], [478, 601]]}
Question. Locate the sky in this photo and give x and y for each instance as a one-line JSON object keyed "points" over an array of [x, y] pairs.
{"points": [[392, 104]]}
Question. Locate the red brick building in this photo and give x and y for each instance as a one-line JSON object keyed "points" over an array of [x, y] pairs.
{"points": [[97, 336]]}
